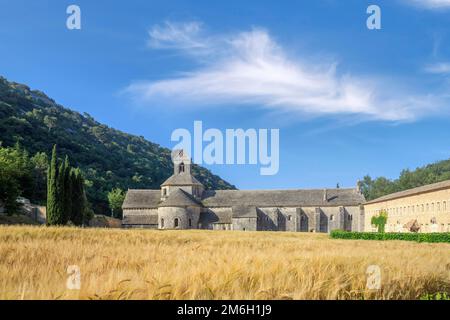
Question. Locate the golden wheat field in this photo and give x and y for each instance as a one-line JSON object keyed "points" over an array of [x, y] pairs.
{"points": [[151, 264]]}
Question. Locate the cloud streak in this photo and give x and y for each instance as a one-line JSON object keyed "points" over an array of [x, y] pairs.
{"points": [[181, 36], [430, 4], [438, 68], [250, 68]]}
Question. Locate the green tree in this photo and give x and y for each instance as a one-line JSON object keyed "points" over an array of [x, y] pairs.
{"points": [[78, 200], [54, 210], [9, 190], [67, 190], [88, 213], [61, 192], [115, 199], [40, 166], [380, 221]]}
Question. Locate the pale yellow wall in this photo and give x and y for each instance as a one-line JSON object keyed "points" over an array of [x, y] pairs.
{"points": [[422, 207]]}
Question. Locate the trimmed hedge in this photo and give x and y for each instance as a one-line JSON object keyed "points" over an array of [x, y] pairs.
{"points": [[419, 237]]}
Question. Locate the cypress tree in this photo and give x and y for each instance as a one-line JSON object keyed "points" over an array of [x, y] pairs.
{"points": [[67, 193], [78, 200], [53, 211], [61, 193]]}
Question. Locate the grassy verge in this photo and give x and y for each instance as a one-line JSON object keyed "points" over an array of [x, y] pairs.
{"points": [[418, 237]]}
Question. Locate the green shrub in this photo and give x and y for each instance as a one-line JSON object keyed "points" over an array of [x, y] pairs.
{"points": [[436, 296], [380, 221], [419, 237]]}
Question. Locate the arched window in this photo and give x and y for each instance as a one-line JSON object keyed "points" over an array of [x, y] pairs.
{"points": [[181, 168], [289, 218], [332, 217], [164, 192], [176, 222], [162, 223]]}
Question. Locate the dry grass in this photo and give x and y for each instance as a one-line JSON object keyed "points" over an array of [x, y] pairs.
{"points": [[144, 264]]}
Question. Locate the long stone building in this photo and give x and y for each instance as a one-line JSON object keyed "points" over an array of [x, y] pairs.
{"points": [[426, 209], [183, 203]]}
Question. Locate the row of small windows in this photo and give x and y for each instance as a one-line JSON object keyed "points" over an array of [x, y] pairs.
{"points": [[426, 207], [304, 217]]}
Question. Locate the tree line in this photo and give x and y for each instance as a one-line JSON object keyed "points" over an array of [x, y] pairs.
{"points": [[22, 175], [373, 188], [56, 184], [66, 197], [53, 183]]}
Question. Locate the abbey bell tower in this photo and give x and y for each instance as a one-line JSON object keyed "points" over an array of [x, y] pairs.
{"points": [[181, 162], [182, 177]]}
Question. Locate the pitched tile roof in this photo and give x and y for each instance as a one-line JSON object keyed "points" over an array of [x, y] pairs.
{"points": [[183, 179], [179, 198], [282, 198], [259, 198], [141, 199]]}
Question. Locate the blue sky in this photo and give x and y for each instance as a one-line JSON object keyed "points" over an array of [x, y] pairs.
{"points": [[348, 101]]}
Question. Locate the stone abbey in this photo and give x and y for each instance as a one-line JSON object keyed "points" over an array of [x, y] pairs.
{"points": [[183, 203]]}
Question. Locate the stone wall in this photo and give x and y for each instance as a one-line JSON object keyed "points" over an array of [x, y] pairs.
{"points": [[178, 217], [430, 209], [244, 224], [309, 219]]}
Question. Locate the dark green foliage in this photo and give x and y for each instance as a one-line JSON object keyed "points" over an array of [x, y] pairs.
{"points": [[419, 237], [108, 158], [88, 213], [432, 173], [54, 209], [67, 185], [78, 199], [21, 175], [40, 164], [380, 221], [9, 190], [436, 296], [61, 183], [66, 199]]}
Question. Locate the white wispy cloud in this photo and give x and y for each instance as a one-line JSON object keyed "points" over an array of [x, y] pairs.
{"points": [[438, 68], [430, 4], [172, 35], [251, 68]]}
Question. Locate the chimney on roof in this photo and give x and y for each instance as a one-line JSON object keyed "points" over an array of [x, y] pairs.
{"points": [[325, 197]]}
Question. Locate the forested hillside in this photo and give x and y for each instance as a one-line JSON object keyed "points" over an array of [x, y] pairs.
{"points": [[436, 172], [108, 157]]}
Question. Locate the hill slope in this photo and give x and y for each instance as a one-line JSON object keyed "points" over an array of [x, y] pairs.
{"points": [[432, 173], [108, 157]]}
